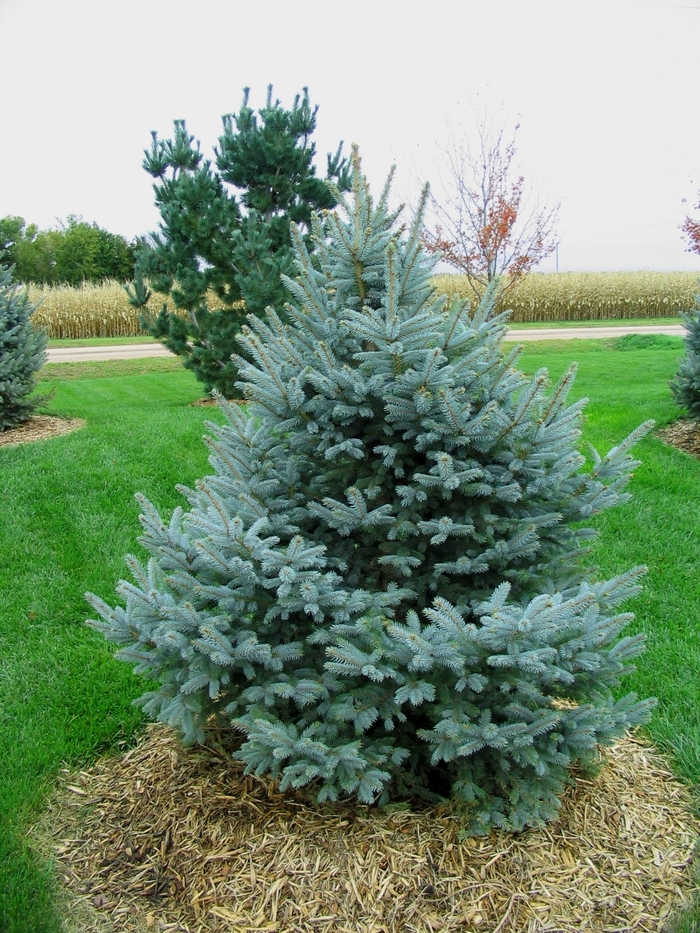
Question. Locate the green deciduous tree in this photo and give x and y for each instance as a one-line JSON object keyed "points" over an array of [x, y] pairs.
{"points": [[13, 230], [22, 353], [381, 586], [224, 228], [86, 253], [77, 252], [26, 249]]}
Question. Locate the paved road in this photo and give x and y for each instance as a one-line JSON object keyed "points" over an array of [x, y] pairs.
{"points": [[565, 333], [127, 351], [133, 351]]}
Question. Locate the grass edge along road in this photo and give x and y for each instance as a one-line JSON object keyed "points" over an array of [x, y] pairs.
{"points": [[62, 342], [63, 698], [72, 351]]}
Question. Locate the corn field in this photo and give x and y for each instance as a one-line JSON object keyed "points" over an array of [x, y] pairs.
{"points": [[590, 296], [91, 310], [104, 310], [88, 311]]}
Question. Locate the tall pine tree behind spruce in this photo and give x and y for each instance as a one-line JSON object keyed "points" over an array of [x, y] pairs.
{"points": [[22, 353], [224, 229], [382, 585]]}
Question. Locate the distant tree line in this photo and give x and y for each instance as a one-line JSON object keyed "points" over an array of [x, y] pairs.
{"points": [[76, 252]]}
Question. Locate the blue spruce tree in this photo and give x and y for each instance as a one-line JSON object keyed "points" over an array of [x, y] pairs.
{"points": [[22, 353], [382, 585], [686, 385]]}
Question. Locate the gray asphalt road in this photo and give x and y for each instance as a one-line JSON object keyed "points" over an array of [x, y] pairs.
{"points": [[134, 351]]}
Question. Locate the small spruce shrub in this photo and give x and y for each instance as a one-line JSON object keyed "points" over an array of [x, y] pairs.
{"points": [[22, 353], [382, 586], [686, 385]]}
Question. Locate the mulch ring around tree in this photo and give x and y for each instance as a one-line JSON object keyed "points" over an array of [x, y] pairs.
{"points": [[38, 428], [210, 402], [165, 838], [685, 435]]}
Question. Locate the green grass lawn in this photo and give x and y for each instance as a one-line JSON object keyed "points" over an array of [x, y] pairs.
{"points": [[57, 342], [627, 322], [71, 517], [659, 528]]}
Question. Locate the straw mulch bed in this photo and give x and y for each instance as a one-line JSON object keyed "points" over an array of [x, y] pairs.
{"points": [[168, 839], [685, 435], [210, 402], [39, 428]]}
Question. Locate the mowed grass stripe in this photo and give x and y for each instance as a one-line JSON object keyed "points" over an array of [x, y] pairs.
{"points": [[72, 518]]}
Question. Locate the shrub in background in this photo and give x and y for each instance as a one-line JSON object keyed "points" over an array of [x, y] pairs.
{"points": [[22, 353], [225, 229], [686, 386], [382, 585]]}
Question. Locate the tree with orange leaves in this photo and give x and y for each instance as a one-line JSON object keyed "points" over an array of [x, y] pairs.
{"points": [[480, 221], [691, 229]]}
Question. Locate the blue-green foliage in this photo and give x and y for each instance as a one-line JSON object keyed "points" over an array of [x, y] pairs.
{"points": [[686, 386], [22, 353], [382, 586]]}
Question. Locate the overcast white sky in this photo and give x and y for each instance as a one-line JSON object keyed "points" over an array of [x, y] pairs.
{"points": [[605, 92]]}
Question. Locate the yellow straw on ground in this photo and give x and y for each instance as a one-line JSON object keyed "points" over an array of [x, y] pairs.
{"points": [[165, 838]]}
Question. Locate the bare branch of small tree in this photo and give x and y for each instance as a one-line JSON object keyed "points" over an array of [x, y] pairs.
{"points": [[691, 230], [479, 217]]}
